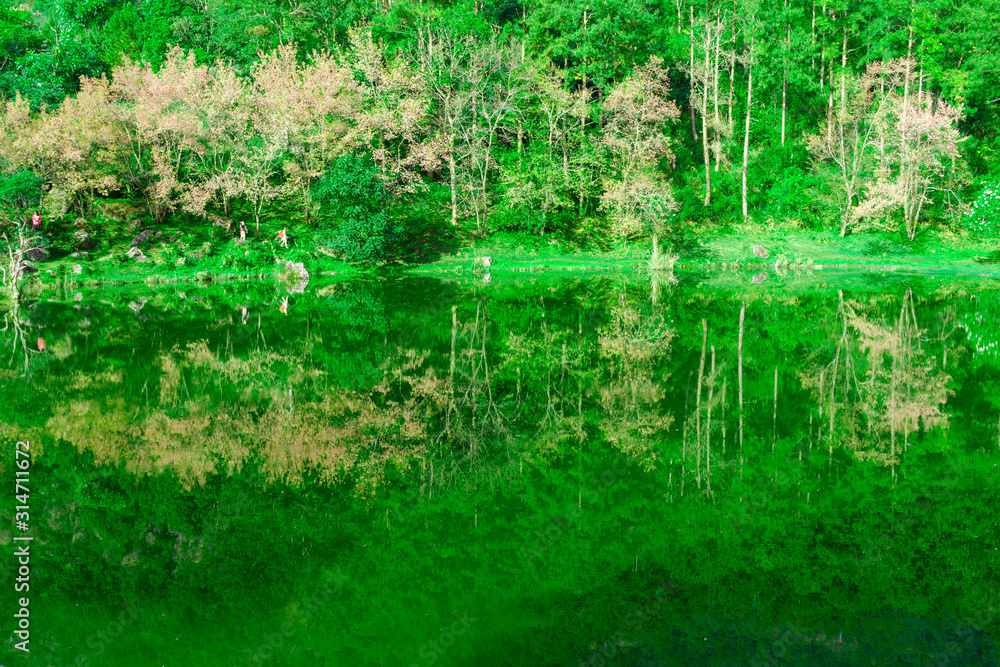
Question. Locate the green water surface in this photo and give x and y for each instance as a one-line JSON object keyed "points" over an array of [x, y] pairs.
{"points": [[526, 471]]}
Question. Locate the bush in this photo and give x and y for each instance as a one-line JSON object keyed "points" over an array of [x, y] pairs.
{"points": [[247, 257], [984, 217], [353, 193]]}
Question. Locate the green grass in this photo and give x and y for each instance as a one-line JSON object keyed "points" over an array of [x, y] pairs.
{"points": [[697, 247], [715, 249]]}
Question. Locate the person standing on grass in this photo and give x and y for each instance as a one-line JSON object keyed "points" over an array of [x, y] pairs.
{"points": [[283, 238], [243, 231], [36, 222]]}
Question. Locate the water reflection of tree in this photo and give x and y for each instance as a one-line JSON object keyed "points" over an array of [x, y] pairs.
{"points": [[630, 347], [505, 388], [530, 388], [881, 385], [19, 345]]}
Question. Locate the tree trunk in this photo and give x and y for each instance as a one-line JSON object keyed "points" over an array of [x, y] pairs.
{"points": [[784, 82], [694, 125], [746, 130], [704, 115], [822, 56], [847, 217], [812, 40], [843, 76], [902, 125], [583, 140], [717, 145], [454, 185]]}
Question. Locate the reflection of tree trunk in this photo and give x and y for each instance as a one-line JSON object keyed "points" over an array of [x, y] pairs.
{"points": [[841, 346], [697, 405], [19, 339], [723, 419], [684, 430], [708, 429], [774, 427], [739, 352], [451, 369]]}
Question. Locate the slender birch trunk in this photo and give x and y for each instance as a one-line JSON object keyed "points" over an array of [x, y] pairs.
{"points": [[704, 115], [746, 130]]}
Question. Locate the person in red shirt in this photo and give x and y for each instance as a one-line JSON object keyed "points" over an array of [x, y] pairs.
{"points": [[36, 222]]}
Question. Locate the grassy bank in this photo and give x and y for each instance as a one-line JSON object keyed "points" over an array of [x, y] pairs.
{"points": [[734, 248], [192, 253]]}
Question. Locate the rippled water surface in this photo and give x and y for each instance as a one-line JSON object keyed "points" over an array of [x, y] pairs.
{"points": [[618, 470]]}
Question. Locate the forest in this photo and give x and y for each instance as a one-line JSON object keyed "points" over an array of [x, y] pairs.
{"points": [[398, 128]]}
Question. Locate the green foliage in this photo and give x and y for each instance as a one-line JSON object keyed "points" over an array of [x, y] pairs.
{"points": [[545, 164], [47, 64], [352, 197], [983, 219], [18, 35], [19, 193], [246, 257]]}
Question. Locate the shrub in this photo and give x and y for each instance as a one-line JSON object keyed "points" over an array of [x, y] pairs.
{"points": [[353, 193]]}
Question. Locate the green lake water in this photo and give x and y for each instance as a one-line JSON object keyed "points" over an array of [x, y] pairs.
{"points": [[533, 470]]}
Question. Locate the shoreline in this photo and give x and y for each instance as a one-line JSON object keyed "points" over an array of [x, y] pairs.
{"points": [[790, 251]]}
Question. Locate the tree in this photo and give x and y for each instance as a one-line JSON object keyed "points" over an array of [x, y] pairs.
{"points": [[918, 140], [76, 148], [544, 178], [159, 113], [847, 137], [394, 120], [305, 114], [475, 86], [636, 194]]}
